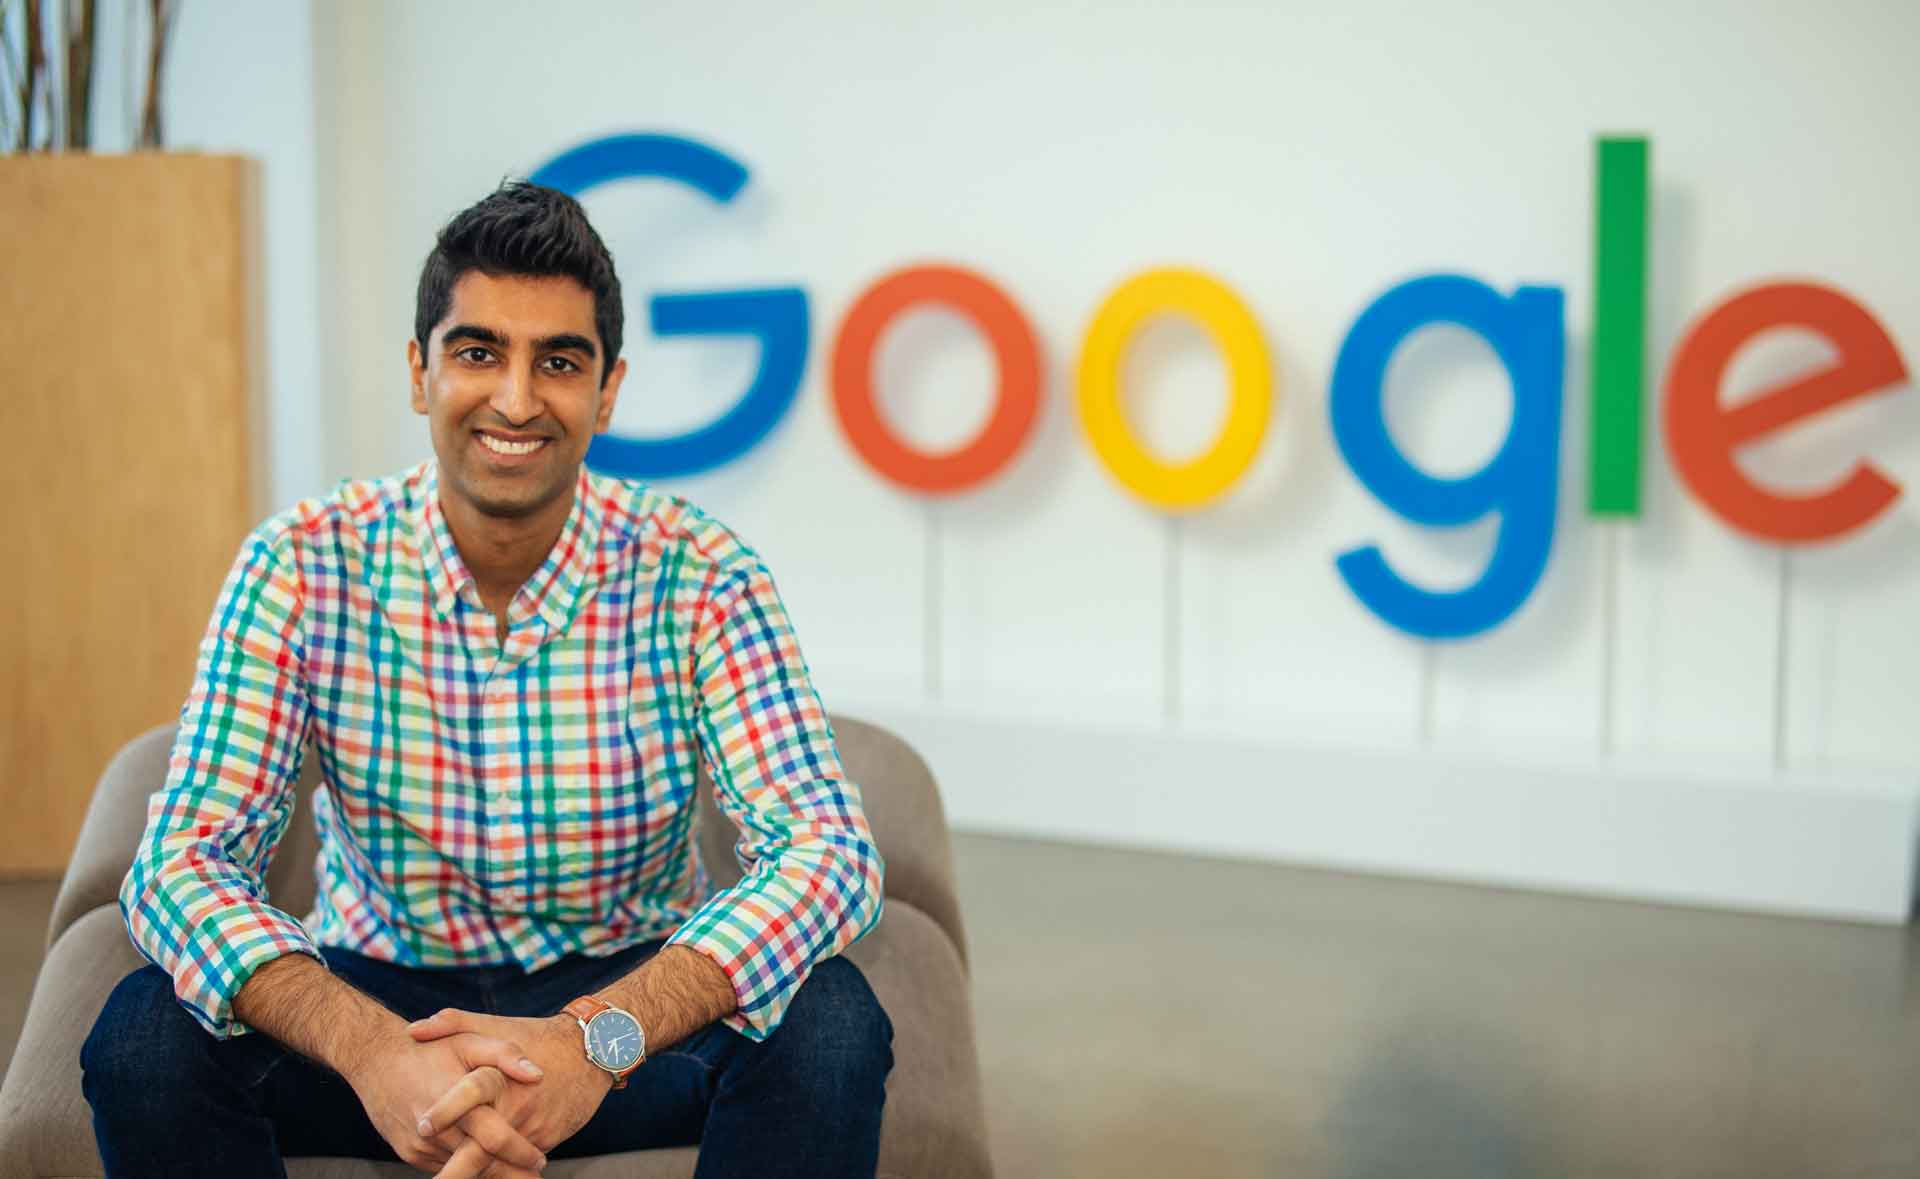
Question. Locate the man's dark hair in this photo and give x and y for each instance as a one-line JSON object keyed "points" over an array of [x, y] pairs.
{"points": [[525, 229]]}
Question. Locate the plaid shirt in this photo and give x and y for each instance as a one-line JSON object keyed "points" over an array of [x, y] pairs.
{"points": [[486, 803]]}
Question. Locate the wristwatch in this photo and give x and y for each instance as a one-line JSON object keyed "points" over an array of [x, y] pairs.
{"points": [[615, 1041]]}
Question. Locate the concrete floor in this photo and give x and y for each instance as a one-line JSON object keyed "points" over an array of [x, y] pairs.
{"points": [[1152, 1015], [1155, 1015]]}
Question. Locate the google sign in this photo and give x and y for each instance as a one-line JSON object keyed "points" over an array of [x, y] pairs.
{"points": [[1525, 329]]}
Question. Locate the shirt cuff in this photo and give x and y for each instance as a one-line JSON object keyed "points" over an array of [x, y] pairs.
{"points": [[761, 988], [224, 953]]}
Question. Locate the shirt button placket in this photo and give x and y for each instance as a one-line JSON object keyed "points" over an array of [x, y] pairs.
{"points": [[500, 724], [497, 717]]}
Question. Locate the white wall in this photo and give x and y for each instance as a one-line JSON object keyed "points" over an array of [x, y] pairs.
{"points": [[1311, 156]]}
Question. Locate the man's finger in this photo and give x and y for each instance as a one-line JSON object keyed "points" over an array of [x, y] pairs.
{"points": [[441, 1146], [482, 1086], [469, 1162], [490, 1128], [445, 1022], [475, 1050], [429, 1154]]}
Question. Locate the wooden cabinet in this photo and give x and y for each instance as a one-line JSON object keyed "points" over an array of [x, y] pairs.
{"points": [[128, 368]]}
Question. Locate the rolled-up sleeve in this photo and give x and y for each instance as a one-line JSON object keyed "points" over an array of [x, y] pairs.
{"points": [[195, 901], [812, 874]]}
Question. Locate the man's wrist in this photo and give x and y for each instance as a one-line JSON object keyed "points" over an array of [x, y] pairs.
{"points": [[368, 1043], [296, 1000], [568, 1029], [674, 994]]}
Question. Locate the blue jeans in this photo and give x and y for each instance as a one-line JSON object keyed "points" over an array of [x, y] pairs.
{"points": [[170, 1100]]}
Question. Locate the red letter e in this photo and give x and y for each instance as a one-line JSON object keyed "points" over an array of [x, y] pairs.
{"points": [[1702, 435]]}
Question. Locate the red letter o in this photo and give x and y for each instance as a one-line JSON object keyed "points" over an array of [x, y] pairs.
{"points": [[1015, 404]]}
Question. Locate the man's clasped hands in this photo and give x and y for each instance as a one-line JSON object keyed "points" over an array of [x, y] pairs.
{"points": [[497, 1092]]}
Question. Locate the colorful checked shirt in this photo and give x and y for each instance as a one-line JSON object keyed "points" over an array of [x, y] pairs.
{"points": [[485, 803]]}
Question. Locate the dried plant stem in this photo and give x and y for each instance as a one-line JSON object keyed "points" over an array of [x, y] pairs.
{"points": [[47, 74], [79, 72], [36, 66], [6, 76], [150, 131]]}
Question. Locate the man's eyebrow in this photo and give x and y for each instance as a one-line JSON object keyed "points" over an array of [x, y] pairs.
{"points": [[564, 342], [469, 331]]}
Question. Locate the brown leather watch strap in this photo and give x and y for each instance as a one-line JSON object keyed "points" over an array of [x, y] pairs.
{"points": [[585, 1008]]}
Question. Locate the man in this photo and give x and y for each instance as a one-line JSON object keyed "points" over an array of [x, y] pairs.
{"points": [[509, 668]]}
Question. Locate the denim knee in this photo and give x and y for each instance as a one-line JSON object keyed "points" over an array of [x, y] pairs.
{"points": [[169, 1100], [835, 1032], [142, 1048]]}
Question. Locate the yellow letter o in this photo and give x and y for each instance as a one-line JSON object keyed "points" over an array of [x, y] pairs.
{"points": [[1206, 300]]}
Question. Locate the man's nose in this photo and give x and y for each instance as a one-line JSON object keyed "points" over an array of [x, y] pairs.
{"points": [[513, 397]]}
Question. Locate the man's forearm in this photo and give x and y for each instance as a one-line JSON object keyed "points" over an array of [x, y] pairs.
{"points": [[305, 1006], [674, 994]]}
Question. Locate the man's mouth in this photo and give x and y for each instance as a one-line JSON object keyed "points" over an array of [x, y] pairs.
{"points": [[510, 447]]}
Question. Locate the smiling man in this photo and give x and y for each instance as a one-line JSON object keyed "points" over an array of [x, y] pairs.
{"points": [[510, 669]]}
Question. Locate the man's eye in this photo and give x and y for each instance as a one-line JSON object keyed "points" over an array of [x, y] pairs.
{"points": [[561, 364], [475, 354]]}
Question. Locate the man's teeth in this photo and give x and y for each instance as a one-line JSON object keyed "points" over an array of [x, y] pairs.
{"points": [[502, 446]]}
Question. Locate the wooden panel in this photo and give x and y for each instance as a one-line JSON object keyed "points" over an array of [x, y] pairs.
{"points": [[127, 326]]}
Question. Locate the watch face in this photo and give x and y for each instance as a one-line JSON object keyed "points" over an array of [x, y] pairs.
{"points": [[614, 1040]]}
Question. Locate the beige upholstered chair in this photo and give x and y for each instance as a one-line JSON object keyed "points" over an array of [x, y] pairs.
{"points": [[915, 960]]}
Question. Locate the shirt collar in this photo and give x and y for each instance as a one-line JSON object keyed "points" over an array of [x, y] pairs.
{"points": [[556, 587]]}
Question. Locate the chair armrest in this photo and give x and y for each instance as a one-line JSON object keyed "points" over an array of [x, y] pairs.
{"points": [[935, 1125], [111, 832], [45, 1126], [908, 819], [903, 808]]}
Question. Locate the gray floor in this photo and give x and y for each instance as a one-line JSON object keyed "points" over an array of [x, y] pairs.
{"points": [[1150, 1015], [1163, 1016]]}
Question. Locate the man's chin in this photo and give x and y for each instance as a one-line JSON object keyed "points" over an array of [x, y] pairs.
{"points": [[505, 509], [510, 499]]}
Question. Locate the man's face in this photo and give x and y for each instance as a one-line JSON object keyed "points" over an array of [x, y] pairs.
{"points": [[510, 386]]}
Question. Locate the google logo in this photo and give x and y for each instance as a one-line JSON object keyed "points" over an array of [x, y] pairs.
{"points": [[1526, 330]]}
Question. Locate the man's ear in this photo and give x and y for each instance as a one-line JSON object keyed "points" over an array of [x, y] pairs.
{"points": [[610, 393], [417, 364]]}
